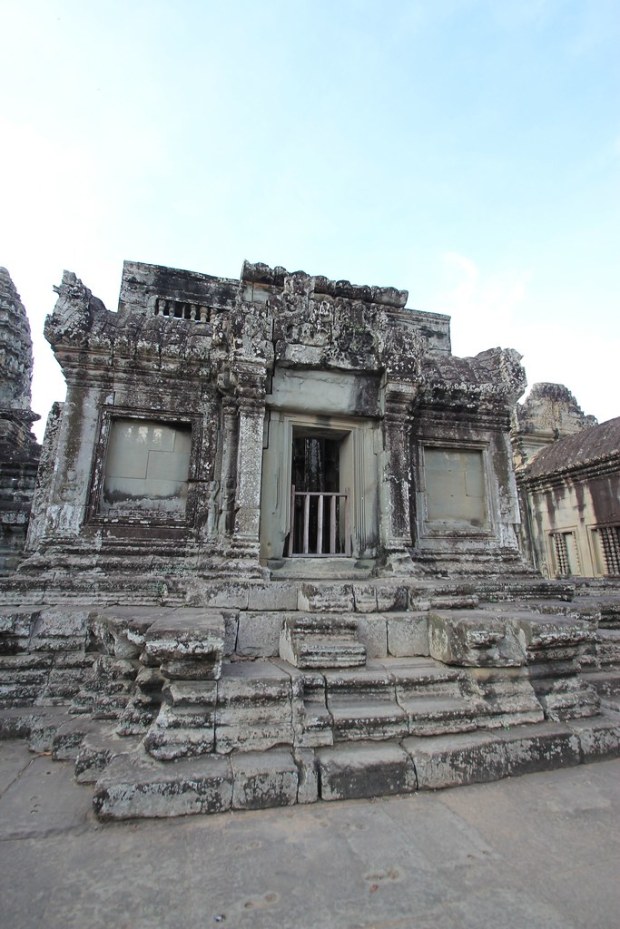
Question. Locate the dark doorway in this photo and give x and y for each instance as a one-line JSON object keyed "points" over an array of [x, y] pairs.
{"points": [[319, 523]]}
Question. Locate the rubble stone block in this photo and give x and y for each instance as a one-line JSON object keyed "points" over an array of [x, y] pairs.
{"points": [[97, 750], [19, 622], [365, 597], [475, 639], [188, 635], [264, 779], [364, 770], [44, 726], [69, 736], [391, 598]]}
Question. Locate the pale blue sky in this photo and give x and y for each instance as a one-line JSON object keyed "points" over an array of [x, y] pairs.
{"points": [[466, 150]]}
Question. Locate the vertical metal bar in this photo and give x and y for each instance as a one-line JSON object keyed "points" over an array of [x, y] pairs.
{"points": [[306, 522], [291, 544], [332, 524], [347, 527], [319, 525]]}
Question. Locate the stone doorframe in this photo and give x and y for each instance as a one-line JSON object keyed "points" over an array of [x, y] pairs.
{"points": [[361, 445]]}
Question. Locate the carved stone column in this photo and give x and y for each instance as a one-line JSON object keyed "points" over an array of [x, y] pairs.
{"points": [[250, 388], [395, 489], [228, 474]]}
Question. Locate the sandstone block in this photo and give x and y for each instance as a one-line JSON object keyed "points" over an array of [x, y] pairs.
{"points": [[326, 598], [264, 779], [368, 770], [259, 634], [277, 595], [391, 598], [475, 639], [598, 738], [365, 597], [308, 784], [188, 635], [540, 748], [453, 760], [326, 641], [17, 622], [407, 635], [372, 634], [136, 785]]}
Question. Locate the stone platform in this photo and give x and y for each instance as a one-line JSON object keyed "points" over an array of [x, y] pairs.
{"points": [[270, 695]]}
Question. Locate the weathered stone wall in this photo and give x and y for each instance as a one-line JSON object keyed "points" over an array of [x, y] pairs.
{"points": [[18, 448]]}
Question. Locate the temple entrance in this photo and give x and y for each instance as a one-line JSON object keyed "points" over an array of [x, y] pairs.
{"points": [[320, 520], [320, 488]]}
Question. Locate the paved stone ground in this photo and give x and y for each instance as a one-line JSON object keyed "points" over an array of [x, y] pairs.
{"points": [[541, 852]]}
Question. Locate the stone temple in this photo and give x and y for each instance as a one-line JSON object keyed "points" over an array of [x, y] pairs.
{"points": [[275, 555]]}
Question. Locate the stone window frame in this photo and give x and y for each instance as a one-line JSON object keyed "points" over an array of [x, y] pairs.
{"points": [[96, 517], [561, 556], [431, 529], [606, 550]]}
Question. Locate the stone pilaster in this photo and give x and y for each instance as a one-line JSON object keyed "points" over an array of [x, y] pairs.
{"points": [[395, 493], [250, 380]]}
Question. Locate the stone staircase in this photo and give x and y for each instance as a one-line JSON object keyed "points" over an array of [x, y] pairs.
{"points": [[272, 694]]}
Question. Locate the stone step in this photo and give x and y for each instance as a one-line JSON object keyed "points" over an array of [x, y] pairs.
{"points": [[355, 720], [68, 737], [451, 761], [331, 569], [96, 751], [606, 682], [323, 641], [608, 647], [20, 722], [250, 708], [428, 716], [379, 769], [395, 676], [136, 785]]}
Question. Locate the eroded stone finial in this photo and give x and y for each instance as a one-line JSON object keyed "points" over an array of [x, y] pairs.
{"points": [[15, 348], [552, 409], [73, 311]]}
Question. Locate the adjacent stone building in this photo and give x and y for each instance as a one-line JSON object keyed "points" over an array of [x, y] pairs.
{"points": [[569, 478], [19, 452]]}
